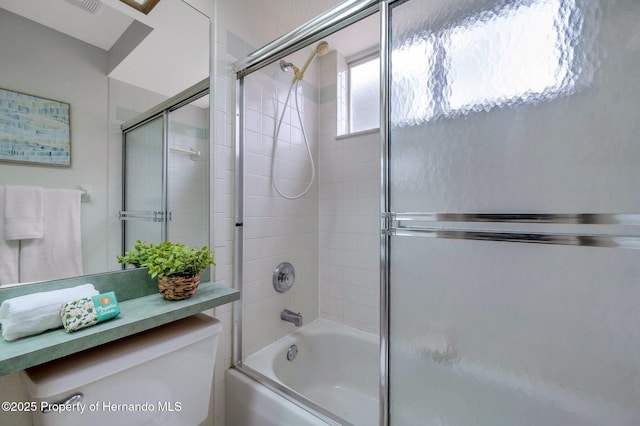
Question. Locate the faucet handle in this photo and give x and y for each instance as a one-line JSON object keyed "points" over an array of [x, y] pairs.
{"points": [[283, 277]]}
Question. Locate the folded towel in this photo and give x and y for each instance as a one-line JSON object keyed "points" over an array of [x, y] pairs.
{"points": [[59, 253], [23, 212], [89, 311], [9, 251], [37, 312]]}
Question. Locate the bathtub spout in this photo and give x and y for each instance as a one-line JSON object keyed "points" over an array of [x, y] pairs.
{"points": [[292, 317]]}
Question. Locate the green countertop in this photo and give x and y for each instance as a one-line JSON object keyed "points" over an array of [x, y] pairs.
{"points": [[136, 315]]}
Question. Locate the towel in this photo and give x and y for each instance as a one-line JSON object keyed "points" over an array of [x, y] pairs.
{"points": [[23, 212], [58, 254], [37, 312], [9, 250]]}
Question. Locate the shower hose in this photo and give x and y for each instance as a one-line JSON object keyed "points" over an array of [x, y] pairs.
{"points": [[274, 160]]}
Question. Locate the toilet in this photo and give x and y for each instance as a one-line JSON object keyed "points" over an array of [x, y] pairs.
{"points": [[162, 376]]}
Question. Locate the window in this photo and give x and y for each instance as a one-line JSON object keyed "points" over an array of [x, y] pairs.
{"points": [[364, 93]]}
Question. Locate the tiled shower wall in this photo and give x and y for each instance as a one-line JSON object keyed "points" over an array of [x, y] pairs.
{"points": [[331, 235], [276, 229], [349, 227]]}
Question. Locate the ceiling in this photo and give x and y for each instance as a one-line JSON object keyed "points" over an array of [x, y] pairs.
{"points": [[170, 55]]}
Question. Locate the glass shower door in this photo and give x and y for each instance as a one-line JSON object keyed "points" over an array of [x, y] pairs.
{"points": [[514, 174], [144, 209], [166, 171]]}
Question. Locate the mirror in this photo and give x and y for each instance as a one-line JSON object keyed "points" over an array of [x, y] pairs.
{"points": [[110, 62]]}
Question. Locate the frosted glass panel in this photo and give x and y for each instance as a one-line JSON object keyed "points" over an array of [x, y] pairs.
{"points": [[493, 334], [514, 107], [143, 191], [545, 89], [365, 95]]}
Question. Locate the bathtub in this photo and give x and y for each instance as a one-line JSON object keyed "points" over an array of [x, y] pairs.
{"points": [[336, 369]]}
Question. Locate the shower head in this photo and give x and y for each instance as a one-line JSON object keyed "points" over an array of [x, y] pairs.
{"points": [[284, 65], [321, 49]]}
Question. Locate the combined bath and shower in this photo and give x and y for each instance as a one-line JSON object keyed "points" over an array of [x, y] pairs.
{"points": [[298, 74]]}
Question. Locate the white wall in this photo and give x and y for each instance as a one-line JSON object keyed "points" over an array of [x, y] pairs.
{"points": [[43, 62]]}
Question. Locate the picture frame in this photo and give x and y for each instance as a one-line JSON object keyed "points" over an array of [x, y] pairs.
{"points": [[34, 130]]}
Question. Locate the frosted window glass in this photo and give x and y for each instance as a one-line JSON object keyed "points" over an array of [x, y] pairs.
{"points": [[365, 95]]}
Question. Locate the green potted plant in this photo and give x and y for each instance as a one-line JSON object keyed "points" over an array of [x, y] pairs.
{"points": [[176, 265]]}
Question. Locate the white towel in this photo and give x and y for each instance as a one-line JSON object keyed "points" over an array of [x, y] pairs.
{"points": [[9, 250], [59, 253], [37, 312], [23, 212]]}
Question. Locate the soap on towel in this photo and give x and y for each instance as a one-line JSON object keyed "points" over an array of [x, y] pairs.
{"points": [[37, 312], [89, 311]]}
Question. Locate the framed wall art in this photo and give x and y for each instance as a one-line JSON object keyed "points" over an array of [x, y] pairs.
{"points": [[34, 130]]}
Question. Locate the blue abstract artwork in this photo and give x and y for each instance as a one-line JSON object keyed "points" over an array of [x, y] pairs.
{"points": [[34, 130]]}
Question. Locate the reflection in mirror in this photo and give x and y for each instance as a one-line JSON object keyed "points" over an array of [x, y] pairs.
{"points": [[167, 200], [110, 64]]}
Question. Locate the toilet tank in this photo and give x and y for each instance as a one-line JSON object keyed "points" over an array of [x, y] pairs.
{"points": [[161, 376]]}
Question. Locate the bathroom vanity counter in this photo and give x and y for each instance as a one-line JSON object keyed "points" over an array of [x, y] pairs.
{"points": [[136, 315]]}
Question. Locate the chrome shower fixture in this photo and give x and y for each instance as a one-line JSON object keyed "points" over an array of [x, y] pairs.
{"points": [[284, 65]]}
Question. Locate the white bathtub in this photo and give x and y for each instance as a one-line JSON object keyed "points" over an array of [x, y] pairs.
{"points": [[336, 367]]}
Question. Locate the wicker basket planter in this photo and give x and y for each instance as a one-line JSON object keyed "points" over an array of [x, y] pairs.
{"points": [[176, 265], [178, 287]]}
